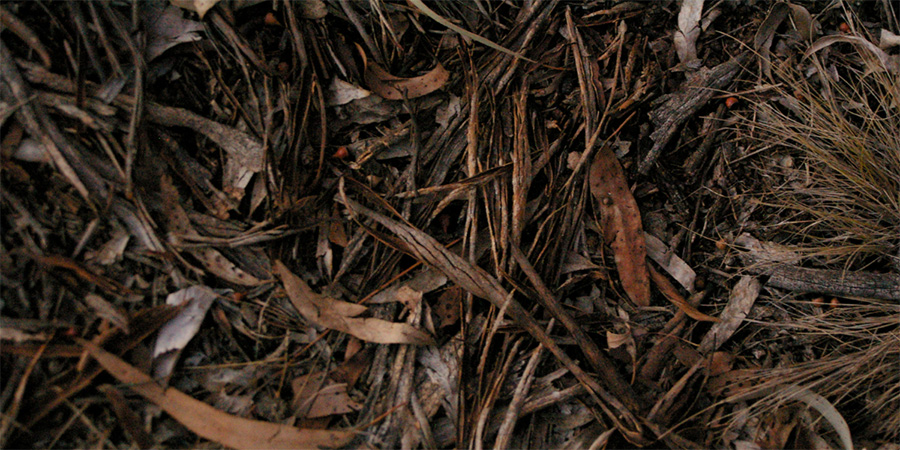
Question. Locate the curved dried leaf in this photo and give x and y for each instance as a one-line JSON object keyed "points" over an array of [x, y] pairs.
{"points": [[210, 423], [671, 294], [392, 87], [827, 41], [198, 6], [803, 21], [688, 30], [176, 333], [621, 221], [742, 298], [337, 315]]}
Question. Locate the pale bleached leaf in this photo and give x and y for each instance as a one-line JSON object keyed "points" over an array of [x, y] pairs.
{"points": [[167, 28], [198, 6], [670, 262], [888, 40], [106, 310], [688, 30], [341, 92], [179, 331], [742, 298]]}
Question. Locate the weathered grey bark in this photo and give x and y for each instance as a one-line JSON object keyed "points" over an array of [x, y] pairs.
{"points": [[677, 108], [884, 286]]}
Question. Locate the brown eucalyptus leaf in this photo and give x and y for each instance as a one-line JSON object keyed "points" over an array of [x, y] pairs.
{"points": [[210, 423], [621, 221], [392, 87], [340, 316]]}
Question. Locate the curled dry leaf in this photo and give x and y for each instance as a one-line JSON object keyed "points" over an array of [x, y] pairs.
{"points": [[668, 260], [392, 87], [340, 316], [198, 6], [210, 423], [688, 30], [743, 295], [175, 334], [621, 221], [884, 60]]}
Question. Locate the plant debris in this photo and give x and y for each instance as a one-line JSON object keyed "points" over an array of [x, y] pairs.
{"points": [[389, 224]]}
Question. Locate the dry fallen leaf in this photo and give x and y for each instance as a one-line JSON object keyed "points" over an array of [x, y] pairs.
{"points": [[210, 423], [668, 260], [167, 28], [392, 87], [175, 335], [621, 221], [198, 6], [885, 62], [107, 310], [340, 316], [316, 395], [341, 92], [671, 294], [743, 295], [688, 30]]}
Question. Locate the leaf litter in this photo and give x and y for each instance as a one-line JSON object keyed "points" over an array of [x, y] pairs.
{"points": [[427, 224]]}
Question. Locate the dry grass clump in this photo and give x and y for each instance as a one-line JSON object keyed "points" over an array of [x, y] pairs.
{"points": [[832, 163], [829, 167], [853, 362]]}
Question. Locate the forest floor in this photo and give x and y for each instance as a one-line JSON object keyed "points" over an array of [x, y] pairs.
{"points": [[454, 224]]}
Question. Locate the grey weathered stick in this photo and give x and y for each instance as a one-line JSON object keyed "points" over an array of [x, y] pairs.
{"points": [[885, 286]]}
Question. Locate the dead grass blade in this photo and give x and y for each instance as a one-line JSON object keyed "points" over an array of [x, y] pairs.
{"points": [[621, 222], [340, 316], [210, 423], [418, 4]]}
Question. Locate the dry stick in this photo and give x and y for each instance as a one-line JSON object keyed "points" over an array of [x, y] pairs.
{"points": [[885, 286], [494, 392], [10, 415], [475, 280], [512, 413], [24, 33], [595, 357], [34, 120]]}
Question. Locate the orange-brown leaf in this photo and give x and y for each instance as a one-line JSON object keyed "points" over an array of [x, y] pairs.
{"points": [[210, 423], [392, 87], [621, 221]]}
